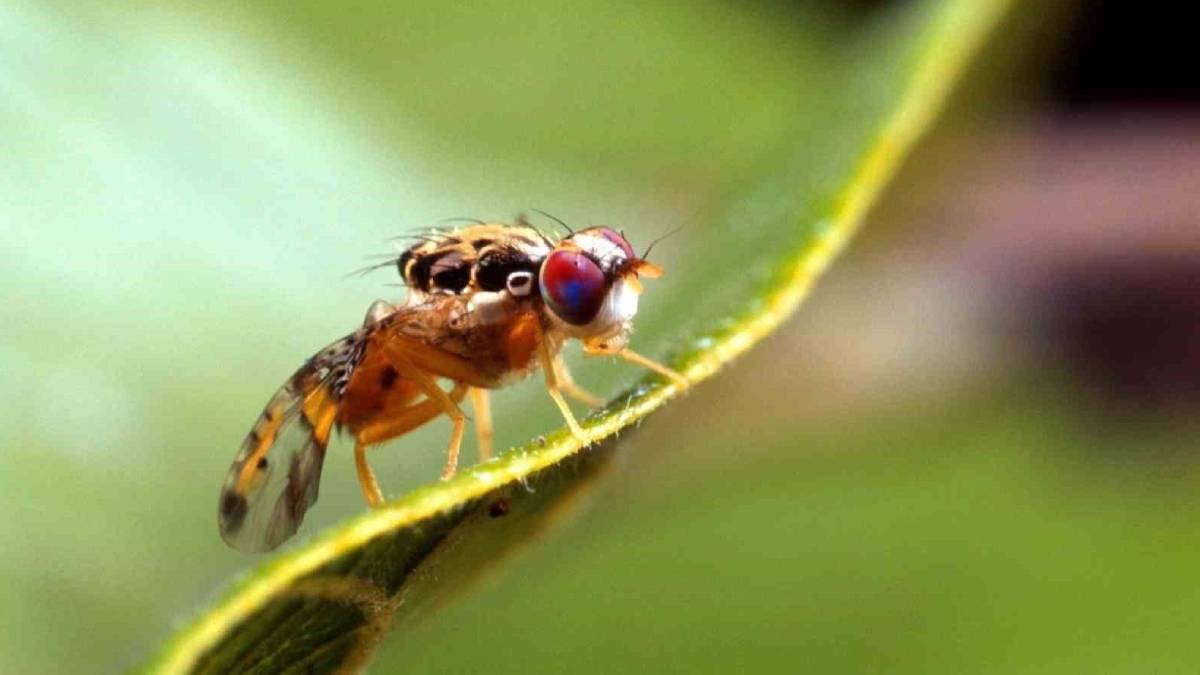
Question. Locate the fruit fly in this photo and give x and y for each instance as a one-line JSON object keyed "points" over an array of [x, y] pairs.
{"points": [[487, 305]]}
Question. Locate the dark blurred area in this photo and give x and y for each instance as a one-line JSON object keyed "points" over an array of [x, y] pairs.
{"points": [[1130, 329], [1126, 318], [1085, 215], [1121, 54], [1074, 217]]}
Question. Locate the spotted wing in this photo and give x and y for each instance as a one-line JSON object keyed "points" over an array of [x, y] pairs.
{"points": [[274, 478]]}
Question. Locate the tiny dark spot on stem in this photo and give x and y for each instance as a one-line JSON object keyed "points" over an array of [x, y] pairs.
{"points": [[498, 508]]}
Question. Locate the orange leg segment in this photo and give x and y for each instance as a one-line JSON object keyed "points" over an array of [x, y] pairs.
{"points": [[649, 364], [550, 371], [394, 426], [426, 383], [568, 386], [481, 403]]}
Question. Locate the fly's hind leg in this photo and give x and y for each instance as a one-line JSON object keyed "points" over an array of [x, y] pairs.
{"points": [[397, 425], [427, 384]]}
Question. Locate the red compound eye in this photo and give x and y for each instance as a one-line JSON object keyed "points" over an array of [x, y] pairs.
{"points": [[573, 286]]}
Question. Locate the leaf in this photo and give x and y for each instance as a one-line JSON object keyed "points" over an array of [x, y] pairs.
{"points": [[326, 606]]}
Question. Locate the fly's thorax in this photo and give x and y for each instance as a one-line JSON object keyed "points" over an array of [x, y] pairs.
{"points": [[478, 258], [486, 308]]}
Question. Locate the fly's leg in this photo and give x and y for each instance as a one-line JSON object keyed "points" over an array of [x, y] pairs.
{"points": [[549, 370], [408, 419], [426, 383], [633, 357], [481, 404], [567, 384]]}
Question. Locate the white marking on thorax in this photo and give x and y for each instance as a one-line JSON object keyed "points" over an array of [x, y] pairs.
{"points": [[488, 307]]}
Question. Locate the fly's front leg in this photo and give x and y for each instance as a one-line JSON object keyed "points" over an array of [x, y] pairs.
{"points": [[633, 357], [568, 386], [550, 371]]}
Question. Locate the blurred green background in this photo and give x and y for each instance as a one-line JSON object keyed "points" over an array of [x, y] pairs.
{"points": [[940, 465]]}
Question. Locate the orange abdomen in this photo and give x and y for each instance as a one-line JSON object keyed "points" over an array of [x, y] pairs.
{"points": [[375, 390]]}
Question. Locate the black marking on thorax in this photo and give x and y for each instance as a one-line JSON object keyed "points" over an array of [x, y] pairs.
{"points": [[494, 267], [456, 265], [446, 268]]}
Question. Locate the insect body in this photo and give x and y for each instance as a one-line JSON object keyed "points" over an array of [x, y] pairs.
{"points": [[487, 305]]}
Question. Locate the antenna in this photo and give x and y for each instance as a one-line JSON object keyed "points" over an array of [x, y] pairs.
{"points": [[652, 244], [557, 220]]}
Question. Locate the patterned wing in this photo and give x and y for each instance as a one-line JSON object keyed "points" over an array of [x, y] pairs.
{"points": [[274, 478]]}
